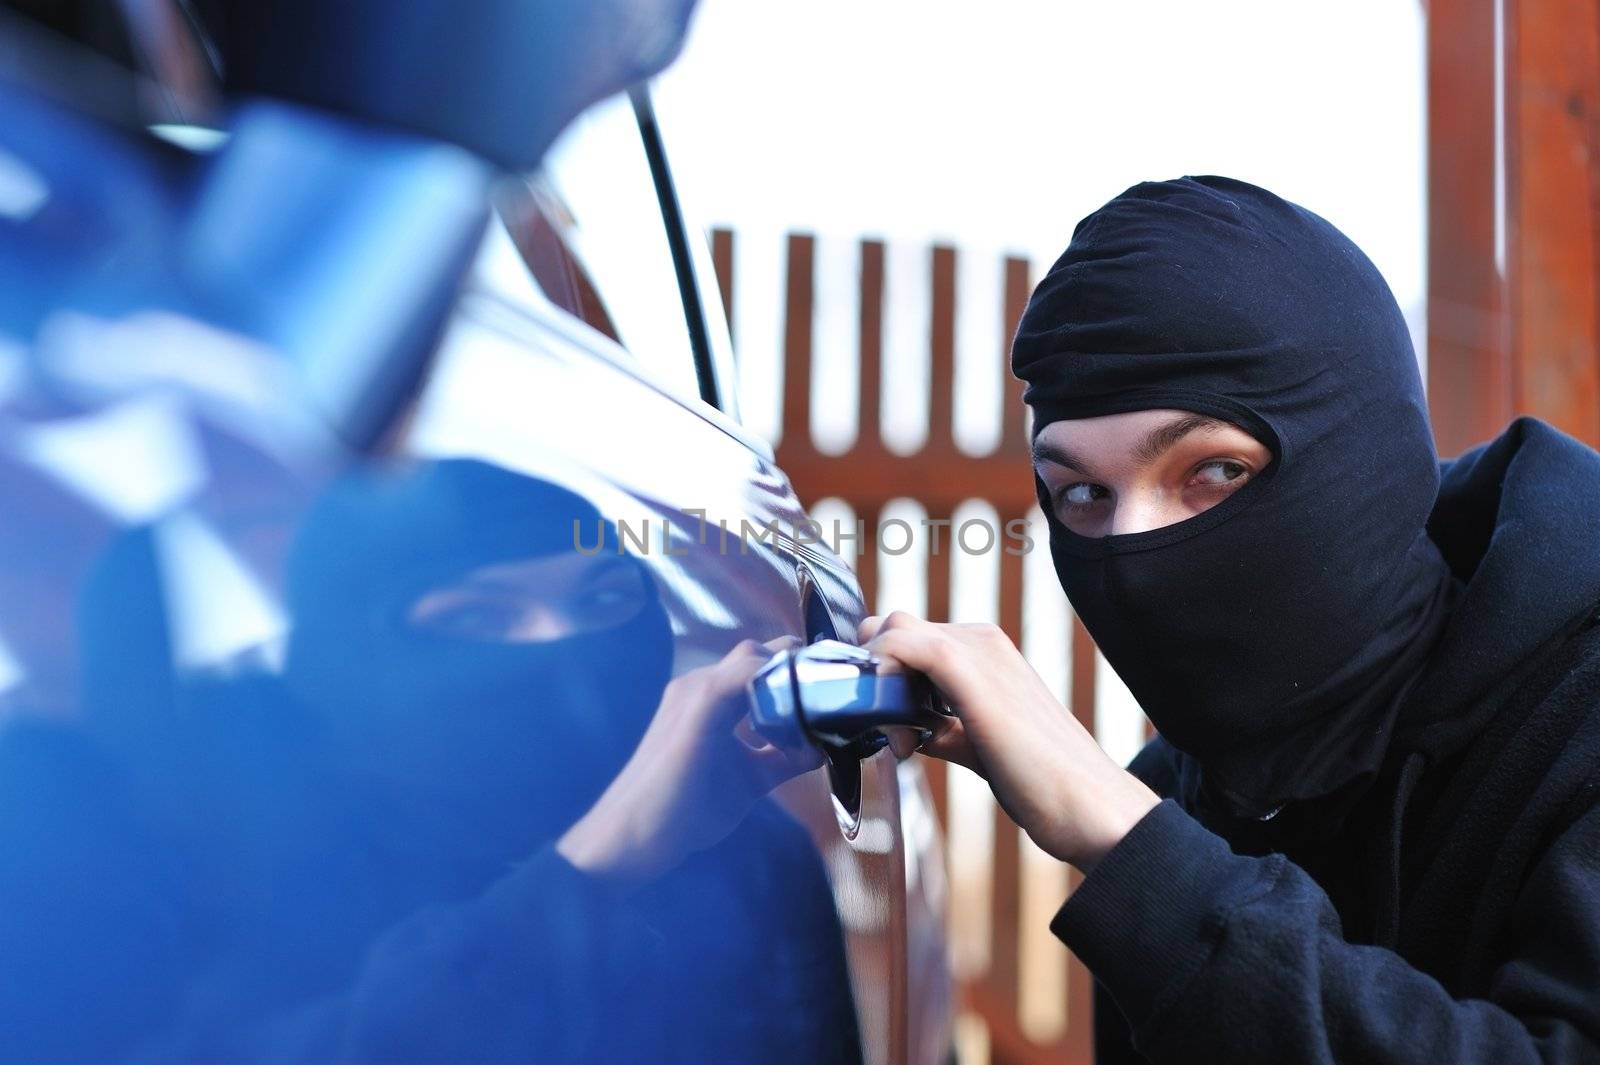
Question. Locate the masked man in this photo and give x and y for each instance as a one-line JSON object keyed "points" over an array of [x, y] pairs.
{"points": [[1370, 828]]}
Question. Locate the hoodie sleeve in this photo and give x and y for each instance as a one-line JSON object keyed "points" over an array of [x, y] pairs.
{"points": [[543, 959], [538, 960], [1211, 956]]}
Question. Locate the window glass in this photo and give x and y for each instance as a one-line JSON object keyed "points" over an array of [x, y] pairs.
{"points": [[590, 229], [536, 221]]}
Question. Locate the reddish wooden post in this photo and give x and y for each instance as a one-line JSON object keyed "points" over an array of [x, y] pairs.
{"points": [[1013, 415], [869, 435], [1552, 104], [722, 261], [1469, 365], [942, 344], [799, 290], [1525, 339]]}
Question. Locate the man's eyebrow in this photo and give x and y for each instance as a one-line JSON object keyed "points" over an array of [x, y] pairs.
{"points": [[1163, 437], [1048, 451], [1155, 443]]}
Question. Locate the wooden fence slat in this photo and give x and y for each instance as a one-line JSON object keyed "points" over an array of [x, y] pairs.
{"points": [[938, 774], [722, 252], [1010, 606], [942, 345], [1079, 982], [1005, 902], [1013, 416], [1552, 103], [1469, 365], [1078, 1043], [867, 557], [1083, 670], [799, 298], [938, 564], [869, 432]]}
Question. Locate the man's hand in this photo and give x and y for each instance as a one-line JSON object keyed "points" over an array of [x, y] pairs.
{"points": [[696, 774], [1046, 771]]}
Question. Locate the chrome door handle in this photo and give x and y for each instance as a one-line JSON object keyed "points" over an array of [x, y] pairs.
{"points": [[840, 697]]}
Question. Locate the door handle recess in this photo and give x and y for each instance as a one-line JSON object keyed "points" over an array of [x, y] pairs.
{"points": [[839, 697]]}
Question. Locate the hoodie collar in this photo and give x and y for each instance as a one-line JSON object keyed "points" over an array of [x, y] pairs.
{"points": [[1516, 521]]}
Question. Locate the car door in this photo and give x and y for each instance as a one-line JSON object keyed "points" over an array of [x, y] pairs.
{"points": [[294, 732], [585, 352]]}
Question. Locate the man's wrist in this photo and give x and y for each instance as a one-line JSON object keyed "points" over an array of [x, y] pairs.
{"points": [[1115, 811], [600, 845]]}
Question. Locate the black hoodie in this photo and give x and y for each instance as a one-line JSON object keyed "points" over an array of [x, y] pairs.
{"points": [[1455, 914]]}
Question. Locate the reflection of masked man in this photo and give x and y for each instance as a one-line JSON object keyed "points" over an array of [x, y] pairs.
{"points": [[466, 662], [479, 684], [367, 871]]}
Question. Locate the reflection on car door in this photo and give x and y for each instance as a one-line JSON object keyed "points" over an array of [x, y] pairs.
{"points": [[604, 400]]}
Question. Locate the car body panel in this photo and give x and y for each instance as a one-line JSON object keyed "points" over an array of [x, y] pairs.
{"points": [[543, 381], [205, 393]]}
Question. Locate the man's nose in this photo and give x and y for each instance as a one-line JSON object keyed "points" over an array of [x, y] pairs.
{"points": [[542, 624], [1140, 511]]}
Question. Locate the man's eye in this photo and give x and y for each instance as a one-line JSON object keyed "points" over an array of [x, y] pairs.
{"points": [[1081, 494], [1219, 471]]}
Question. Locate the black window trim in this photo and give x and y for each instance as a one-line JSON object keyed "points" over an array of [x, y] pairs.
{"points": [[678, 242]]}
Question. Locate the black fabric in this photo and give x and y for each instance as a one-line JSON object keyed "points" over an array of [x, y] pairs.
{"points": [[1218, 947], [1272, 635]]}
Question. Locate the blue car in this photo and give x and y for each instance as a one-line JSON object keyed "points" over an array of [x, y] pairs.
{"points": [[405, 653]]}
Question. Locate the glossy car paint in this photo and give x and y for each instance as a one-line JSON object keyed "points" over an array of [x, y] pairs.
{"points": [[198, 349], [534, 380]]}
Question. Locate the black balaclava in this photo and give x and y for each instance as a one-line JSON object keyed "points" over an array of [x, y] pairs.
{"points": [[519, 738], [1274, 636]]}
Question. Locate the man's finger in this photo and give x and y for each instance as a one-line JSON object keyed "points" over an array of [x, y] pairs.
{"points": [[922, 649], [775, 765], [874, 626], [950, 744]]}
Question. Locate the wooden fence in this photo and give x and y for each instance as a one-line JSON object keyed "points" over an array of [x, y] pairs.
{"points": [[1003, 978]]}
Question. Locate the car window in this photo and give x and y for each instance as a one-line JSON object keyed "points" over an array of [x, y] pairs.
{"points": [[591, 231], [536, 221]]}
